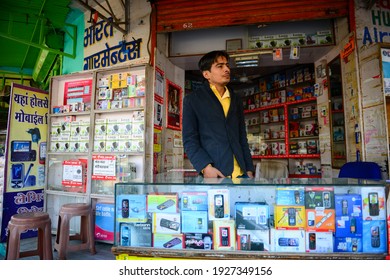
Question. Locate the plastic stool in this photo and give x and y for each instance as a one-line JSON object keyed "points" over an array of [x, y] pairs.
{"points": [[25, 221], [86, 234]]}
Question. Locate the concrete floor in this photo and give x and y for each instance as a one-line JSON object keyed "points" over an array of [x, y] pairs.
{"points": [[103, 251]]}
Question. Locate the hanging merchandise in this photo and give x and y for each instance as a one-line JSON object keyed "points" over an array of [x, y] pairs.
{"points": [[277, 54], [357, 134], [294, 52]]}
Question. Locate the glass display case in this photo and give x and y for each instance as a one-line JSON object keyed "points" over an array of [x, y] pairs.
{"points": [[182, 216]]}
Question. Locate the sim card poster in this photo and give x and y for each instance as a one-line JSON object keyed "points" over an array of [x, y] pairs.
{"points": [[24, 177]]}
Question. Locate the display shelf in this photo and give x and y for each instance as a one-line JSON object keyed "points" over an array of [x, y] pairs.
{"points": [[98, 126], [255, 208]]}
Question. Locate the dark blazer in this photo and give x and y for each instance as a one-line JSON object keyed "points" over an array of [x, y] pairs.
{"points": [[209, 137]]}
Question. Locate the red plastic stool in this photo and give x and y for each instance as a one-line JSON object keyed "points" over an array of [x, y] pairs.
{"points": [[25, 221], [86, 234]]}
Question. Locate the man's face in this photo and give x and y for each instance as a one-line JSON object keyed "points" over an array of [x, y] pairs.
{"points": [[219, 73]]}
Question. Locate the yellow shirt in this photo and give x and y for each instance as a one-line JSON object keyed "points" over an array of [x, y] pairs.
{"points": [[225, 102]]}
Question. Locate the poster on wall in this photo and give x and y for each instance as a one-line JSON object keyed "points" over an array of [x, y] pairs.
{"points": [[158, 98], [385, 55], [174, 96], [25, 154]]}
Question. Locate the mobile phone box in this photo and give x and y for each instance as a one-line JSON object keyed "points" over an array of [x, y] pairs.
{"points": [[218, 226], [160, 240], [140, 234], [284, 220], [354, 205], [155, 203], [251, 215], [211, 203], [323, 242], [343, 226], [199, 241], [320, 219], [290, 196], [137, 208], [348, 244], [367, 209], [159, 225], [369, 245], [315, 196], [280, 240], [194, 201], [258, 240], [194, 221]]}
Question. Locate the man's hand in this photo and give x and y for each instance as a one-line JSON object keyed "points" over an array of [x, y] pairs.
{"points": [[250, 174], [212, 172]]}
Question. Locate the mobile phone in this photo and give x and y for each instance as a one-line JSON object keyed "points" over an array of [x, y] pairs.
{"points": [[285, 241], [292, 221], [169, 224], [185, 202], [219, 206], [326, 199], [207, 242], [353, 225], [354, 245], [375, 239], [373, 204], [125, 208], [172, 242], [125, 235], [297, 197], [42, 152], [244, 241], [224, 236], [17, 175], [166, 204], [312, 241], [344, 207]]}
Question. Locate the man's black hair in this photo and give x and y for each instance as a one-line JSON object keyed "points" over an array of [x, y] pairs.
{"points": [[209, 58]]}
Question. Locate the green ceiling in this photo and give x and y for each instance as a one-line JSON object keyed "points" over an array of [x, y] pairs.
{"points": [[24, 26]]}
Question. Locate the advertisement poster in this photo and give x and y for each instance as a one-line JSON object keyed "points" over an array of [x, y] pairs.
{"points": [[26, 152]]}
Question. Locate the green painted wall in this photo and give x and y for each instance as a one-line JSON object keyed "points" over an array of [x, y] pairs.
{"points": [[71, 65]]}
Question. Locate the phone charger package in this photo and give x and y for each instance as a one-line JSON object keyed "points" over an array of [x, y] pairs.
{"points": [[374, 237], [166, 223], [319, 242], [136, 234], [251, 215], [348, 244], [224, 235], [199, 241], [194, 221], [218, 201], [319, 197], [348, 205], [294, 196], [253, 240], [131, 208], [168, 241], [163, 203], [194, 201], [289, 217], [373, 200], [320, 219], [292, 241]]}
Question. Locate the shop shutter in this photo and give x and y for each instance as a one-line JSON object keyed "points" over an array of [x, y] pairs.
{"points": [[179, 15]]}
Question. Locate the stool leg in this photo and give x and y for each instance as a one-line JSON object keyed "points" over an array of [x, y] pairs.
{"points": [[13, 239], [40, 243], [63, 238], [48, 251], [91, 235]]}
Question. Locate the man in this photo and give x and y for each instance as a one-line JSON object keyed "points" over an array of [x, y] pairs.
{"points": [[214, 134]]}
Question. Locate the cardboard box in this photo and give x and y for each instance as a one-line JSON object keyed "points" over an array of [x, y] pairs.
{"points": [[166, 223], [131, 208], [290, 196], [348, 226], [374, 236], [163, 203], [224, 235], [168, 241], [194, 221], [251, 216], [320, 219], [319, 197], [135, 234], [373, 200], [319, 242], [198, 241], [194, 201], [219, 204], [289, 217], [253, 240], [292, 241], [348, 244]]}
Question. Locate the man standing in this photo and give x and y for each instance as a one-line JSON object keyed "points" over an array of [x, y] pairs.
{"points": [[214, 134]]}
